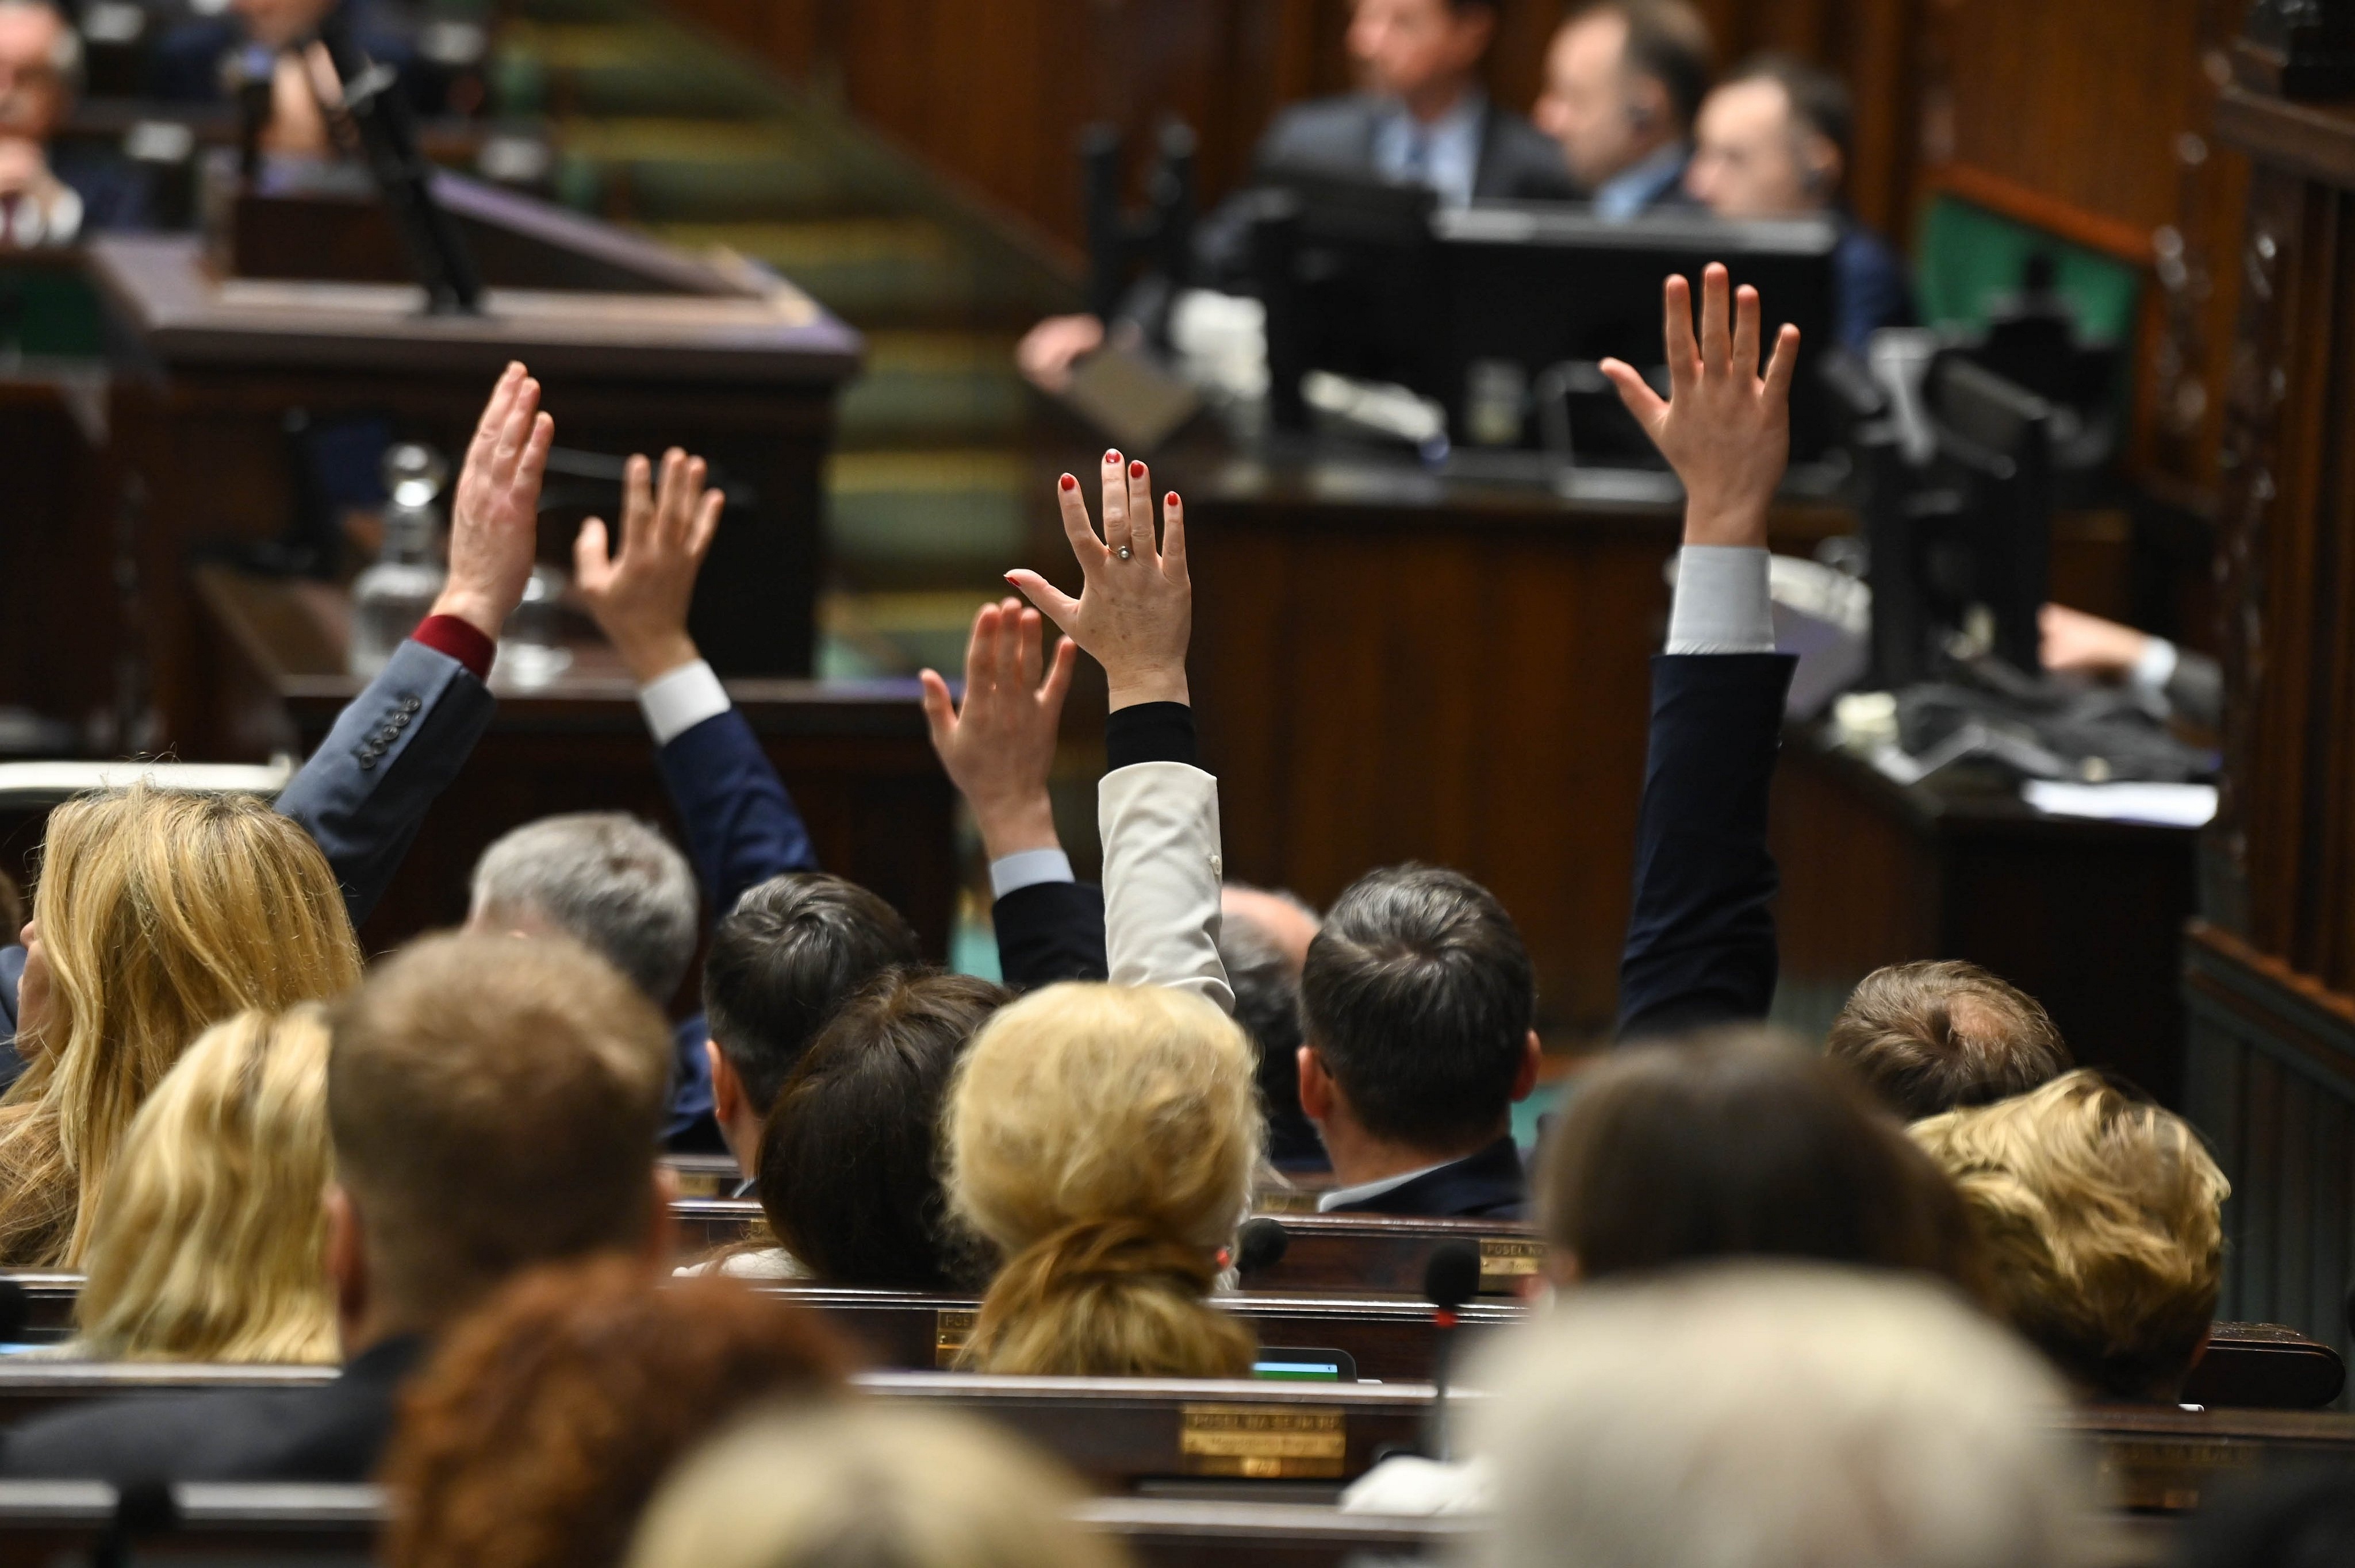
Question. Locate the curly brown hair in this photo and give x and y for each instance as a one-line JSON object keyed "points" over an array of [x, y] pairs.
{"points": [[537, 1434]]}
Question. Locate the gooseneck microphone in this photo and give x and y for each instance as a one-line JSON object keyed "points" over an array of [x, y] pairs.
{"points": [[1261, 1245], [1450, 1278]]}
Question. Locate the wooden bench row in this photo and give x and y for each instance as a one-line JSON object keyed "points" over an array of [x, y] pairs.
{"points": [[1386, 1339], [44, 1522], [1302, 1441]]}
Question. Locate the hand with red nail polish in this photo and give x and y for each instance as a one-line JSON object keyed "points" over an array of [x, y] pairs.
{"points": [[1133, 616]]}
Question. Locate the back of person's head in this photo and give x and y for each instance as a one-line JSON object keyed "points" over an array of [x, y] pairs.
{"points": [[603, 878], [1820, 103], [2100, 1217], [494, 1103], [1103, 1139], [878, 1485], [1932, 1037], [161, 913], [850, 1173], [790, 953], [1774, 1416], [1266, 981], [541, 1426], [1668, 43], [1419, 998], [210, 1244], [1740, 1144]]}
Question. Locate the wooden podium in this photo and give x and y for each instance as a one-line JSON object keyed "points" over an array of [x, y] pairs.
{"points": [[639, 347]]}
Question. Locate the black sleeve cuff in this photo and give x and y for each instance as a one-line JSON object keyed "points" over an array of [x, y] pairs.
{"points": [[1150, 732]]}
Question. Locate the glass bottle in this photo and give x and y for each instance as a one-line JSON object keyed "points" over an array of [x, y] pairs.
{"points": [[392, 596]]}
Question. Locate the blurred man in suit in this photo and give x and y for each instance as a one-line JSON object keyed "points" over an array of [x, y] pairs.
{"points": [[52, 196], [1773, 141], [1623, 80], [1422, 120], [190, 60]]}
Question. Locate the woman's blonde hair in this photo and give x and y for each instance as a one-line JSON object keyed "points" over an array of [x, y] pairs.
{"points": [[210, 1242], [161, 914], [878, 1485], [2102, 1220], [1104, 1137]]}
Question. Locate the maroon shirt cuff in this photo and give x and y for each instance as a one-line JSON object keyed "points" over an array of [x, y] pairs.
{"points": [[461, 639]]}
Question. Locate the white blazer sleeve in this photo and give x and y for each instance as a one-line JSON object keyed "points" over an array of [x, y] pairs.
{"points": [[1162, 871]]}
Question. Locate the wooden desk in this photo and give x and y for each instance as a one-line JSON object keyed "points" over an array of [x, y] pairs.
{"points": [[747, 380], [2087, 916], [1393, 666], [855, 755]]}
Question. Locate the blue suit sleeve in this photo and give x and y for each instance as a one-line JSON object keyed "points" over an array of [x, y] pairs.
{"points": [[12, 975], [1700, 943], [741, 826], [398, 744]]}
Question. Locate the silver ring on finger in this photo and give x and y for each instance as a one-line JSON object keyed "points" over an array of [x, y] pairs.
{"points": [[1125, 552]]}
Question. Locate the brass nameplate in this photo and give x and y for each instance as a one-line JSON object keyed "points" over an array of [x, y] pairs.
{"points": [[2161, 1475], [1262, 1444], [950, 1331], [1506, 1262]]}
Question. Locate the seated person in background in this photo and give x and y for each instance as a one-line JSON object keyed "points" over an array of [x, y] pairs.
{"points": [[1263, 940], [190, 60], [1937, 1036], [210, 1243], [740, 823], [2102, 1220], [1773, 141], [1103, 1139], [2169, 680], [52, 196], [493, 1104], [857, 1481], [158, 914], [783, 961], [1417, 1008], [540, 1429], [1739, 1144], [1423, 120], [850, 1162], [1774, 1415], [1623, 80]]}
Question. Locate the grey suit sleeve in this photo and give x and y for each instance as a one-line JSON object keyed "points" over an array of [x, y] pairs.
{"points": [[2196, 691], [365, 793]]}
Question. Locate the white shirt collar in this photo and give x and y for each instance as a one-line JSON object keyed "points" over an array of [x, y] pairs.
{"points": [[1328, 1202]]}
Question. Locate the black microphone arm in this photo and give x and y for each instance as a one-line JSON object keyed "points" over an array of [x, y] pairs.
{"points": [[1449, 1279], [388, 132]]}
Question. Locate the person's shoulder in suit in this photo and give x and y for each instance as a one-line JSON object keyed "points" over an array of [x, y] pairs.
{"points": [[186, 65], [113, 190], [334, 1432], [1520, 163], [1489, 1184], [1870, 285], [1334, 133]]}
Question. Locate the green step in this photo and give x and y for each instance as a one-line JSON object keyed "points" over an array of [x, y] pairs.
{"points": [[924, 518], [877, 272], [958, 387]]}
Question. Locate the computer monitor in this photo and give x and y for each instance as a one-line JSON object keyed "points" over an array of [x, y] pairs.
{"points": [[1540, 292]]}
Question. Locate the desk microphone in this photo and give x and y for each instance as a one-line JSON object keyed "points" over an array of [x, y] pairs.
{"points": [[1261, 1245], [1449, 1279]]}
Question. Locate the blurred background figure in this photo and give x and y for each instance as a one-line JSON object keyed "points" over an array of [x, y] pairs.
{"points": [[195, 59], [1622, 82], [1773, 141], [2171, 680], [1774, 1415], [49, 195]]}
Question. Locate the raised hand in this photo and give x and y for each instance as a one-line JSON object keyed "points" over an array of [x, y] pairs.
{"points": [[1000, 747], [1134, 614], [640, 593], [1725, 429], [495, 518]]}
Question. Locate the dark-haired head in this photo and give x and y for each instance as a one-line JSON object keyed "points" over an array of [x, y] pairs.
{"points": [[1263, 940], [790, 953], [1740, 1144], [1418, 1000], [1927, 1038], [850, 1173]]}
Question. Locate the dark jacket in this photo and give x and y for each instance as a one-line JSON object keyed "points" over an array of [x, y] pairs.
{"points": [[742, 829], [333, 1433], [1869, 288], [1701, 941], [1488, 1185], [185, 67], [1335, 137]]}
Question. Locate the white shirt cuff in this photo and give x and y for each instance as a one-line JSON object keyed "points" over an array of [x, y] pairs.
{"points": [[1028, 868], [1722, 603], [2155, 668], [678, 701]]}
